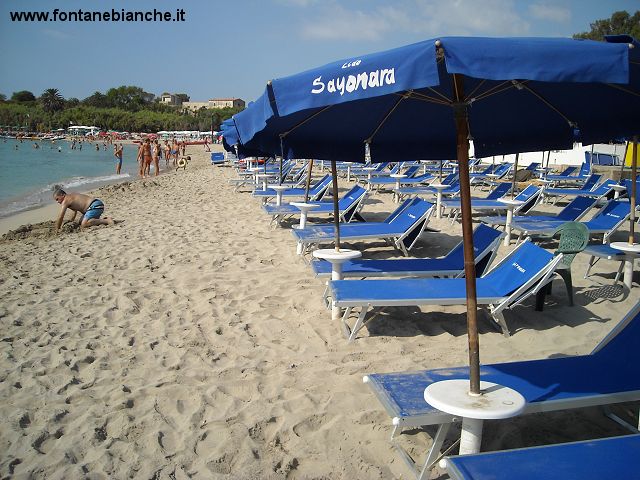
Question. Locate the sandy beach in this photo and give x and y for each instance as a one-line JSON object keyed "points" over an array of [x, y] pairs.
{"points": [[189, 341]]}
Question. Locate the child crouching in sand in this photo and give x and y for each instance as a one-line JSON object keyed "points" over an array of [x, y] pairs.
{"points": [[90, 208]]}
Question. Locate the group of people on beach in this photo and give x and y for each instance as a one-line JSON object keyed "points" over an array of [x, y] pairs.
{"points": [[151, 151]]}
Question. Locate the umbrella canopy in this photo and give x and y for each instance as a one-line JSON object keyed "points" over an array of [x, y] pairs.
{"points": [[427, 100], [558, 86]]}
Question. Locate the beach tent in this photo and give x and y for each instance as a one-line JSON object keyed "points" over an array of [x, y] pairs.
{"points": [[428, 99]]}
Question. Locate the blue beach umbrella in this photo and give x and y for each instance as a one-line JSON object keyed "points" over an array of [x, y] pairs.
{"points": [[427, 100]]}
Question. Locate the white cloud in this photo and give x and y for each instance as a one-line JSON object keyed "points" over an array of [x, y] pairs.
{"points": [[57, 34], [425, 17], [550, 12], [339, 23]]}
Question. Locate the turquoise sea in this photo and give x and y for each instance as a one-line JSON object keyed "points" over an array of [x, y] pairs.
{"points": [[27, 174]]}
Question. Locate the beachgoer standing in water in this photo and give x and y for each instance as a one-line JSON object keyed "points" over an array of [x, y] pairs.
{"points": [[144, 157], [155, 156], [90, 208], [118, 154]]}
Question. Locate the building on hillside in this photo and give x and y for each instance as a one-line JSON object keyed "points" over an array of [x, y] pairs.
{"points": [[170, 99], [214, 103]]}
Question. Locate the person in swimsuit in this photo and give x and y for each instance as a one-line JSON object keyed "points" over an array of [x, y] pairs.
{"points": [[90, 208], [155, 156], [118, 154], [144, 157]]}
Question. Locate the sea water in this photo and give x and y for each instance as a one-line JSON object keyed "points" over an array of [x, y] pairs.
{"points": [[27, 174]]}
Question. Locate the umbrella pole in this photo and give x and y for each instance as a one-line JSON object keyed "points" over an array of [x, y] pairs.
{"points": [[336, 209], [462, 142], [308, 184], [632, 194], [515, 173]]}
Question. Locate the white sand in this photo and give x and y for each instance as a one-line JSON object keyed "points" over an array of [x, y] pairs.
{"points": [[190, 341]]}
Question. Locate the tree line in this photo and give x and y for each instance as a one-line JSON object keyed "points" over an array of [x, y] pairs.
{"points": [[125, 108]]}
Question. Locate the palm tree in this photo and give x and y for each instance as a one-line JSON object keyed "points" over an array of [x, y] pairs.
{"points": [[51, 100]]}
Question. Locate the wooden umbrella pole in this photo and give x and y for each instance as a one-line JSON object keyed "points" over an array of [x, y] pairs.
{"points": [[308, 185], [462, 131], [336, 209], [632, 194]]}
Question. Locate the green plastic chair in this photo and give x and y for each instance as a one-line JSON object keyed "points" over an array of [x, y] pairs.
{"points": [[574, 237]]}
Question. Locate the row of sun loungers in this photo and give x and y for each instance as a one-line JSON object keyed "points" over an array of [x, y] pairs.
{"points": [[606, 376]]}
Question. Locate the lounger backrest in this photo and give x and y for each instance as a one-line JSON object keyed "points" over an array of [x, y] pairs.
{"points": [[517, 268], [621, 345], [500, 190], [410, 215], [533, 166], [591, 181], [585, 168], [567, 172], [449, 179], [604, 188], [485, 239], [502, 169], [406, 203], [320, 185], [577, 208], [411, 171], [610, 215], [529, 196], [351, 197]]}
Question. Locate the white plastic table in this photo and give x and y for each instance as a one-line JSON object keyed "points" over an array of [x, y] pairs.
{"points": [[618, 189], [264, 177], [398, 177], [279, 189], [633, 248], [494, 402], [510, 204], [438, 187], [304, 213], [337, 258]]}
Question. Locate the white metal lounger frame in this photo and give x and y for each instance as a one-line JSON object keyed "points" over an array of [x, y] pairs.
{"points": [[496, 305], [445, 420]]}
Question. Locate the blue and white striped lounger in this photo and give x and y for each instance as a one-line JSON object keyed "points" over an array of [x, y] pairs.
{"points": [[608, 375], [615, 457], [402, 228], [485, 244]]}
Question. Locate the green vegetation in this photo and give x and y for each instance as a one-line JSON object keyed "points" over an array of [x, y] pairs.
{"points": [[126, 108], [619, 23]]}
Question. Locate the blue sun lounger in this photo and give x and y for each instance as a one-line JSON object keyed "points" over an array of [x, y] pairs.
{"points": [[517, 276], [529, 198], [572, 212], [615, 457], [402, 228], [607, 376], [486, 241], [349, 207], [606, 221], [316, 191]]}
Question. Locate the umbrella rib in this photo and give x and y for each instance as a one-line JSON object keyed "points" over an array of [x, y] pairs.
{"points": [[388, 114], [625, 90], [548, 104], [311, 117], [495, 90]]}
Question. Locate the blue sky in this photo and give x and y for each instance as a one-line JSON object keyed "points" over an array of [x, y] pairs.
{"points": [[232, 48]]}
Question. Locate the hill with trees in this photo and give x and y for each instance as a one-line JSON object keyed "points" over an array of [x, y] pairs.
{"points": [[125, 108]]}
